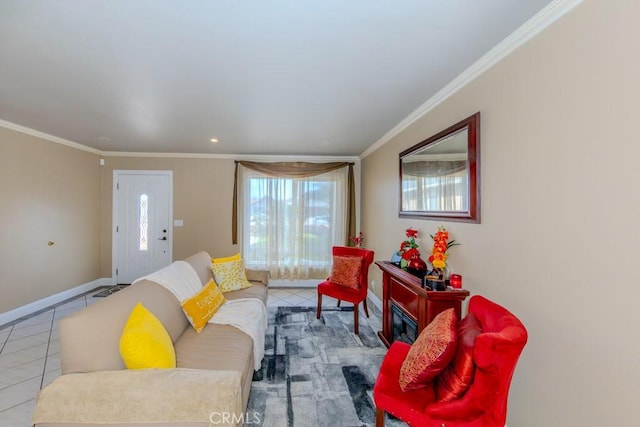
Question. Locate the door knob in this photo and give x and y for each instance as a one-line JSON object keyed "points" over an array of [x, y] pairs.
{"points": [[162, 238]]}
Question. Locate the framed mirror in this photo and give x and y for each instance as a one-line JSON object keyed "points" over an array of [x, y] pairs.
{"points": [[440, 176]]}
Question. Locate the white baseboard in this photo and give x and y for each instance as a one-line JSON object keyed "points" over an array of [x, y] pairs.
{"points": [[49, 301], [281, 283], [375, 300]]}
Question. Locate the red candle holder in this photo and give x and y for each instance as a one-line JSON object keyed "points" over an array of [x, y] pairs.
{"points": [[455, 281]]}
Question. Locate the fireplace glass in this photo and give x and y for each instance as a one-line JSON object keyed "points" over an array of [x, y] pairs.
{"points": [[404, 328]]}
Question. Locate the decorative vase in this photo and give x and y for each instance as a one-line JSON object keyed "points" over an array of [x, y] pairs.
{"points": [[446, 274], [417, 266]]}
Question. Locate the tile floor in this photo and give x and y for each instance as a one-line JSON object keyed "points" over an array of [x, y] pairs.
{"points": [[29, 350]]}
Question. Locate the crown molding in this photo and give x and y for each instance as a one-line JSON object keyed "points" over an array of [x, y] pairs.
{"points": [[252, 157], [48, 137], [249, 157], [524, 33]]}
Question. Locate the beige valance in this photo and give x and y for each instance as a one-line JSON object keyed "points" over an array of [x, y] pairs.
{"points": [[433, 168]]}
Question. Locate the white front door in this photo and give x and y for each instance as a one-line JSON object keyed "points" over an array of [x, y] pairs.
{"points": [[142, 213]]}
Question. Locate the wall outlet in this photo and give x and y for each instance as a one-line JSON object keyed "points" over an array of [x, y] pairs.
{"points": [[372, 285]]}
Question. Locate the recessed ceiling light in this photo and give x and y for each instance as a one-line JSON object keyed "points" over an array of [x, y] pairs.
{"points": [[214, 140]]}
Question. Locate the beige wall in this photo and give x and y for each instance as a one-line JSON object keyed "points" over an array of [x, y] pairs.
{"points": [[558, 242], [202, 195], [49, 192]]}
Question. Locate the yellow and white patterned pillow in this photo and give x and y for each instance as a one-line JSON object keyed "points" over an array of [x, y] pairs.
{"points": [[203, 305], [230, 276]]}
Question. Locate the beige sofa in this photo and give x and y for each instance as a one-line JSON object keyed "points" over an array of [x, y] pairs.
{"points": [[213, 375]]}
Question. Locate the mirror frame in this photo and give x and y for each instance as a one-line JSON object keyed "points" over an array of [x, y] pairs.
{"points": [[472, 124]]}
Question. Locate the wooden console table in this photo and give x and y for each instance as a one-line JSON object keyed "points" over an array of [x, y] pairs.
{"points": [[403, 291]]}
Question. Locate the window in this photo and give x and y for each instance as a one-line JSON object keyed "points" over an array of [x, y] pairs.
{"points": [[291, 224], [144, 222]]}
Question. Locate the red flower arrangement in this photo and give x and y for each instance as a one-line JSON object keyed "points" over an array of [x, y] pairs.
{"points": [[358, 240], [441, 244], [409, 248]]}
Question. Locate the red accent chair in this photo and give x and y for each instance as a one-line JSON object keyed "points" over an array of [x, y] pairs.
{"points": [[355, 296], [495, 354]]}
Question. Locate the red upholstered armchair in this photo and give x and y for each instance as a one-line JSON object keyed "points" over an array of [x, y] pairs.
{"points": [[495, 354], [355, 295]]}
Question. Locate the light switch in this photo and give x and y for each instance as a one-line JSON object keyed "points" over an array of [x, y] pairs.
{"points": [[178, 223]]}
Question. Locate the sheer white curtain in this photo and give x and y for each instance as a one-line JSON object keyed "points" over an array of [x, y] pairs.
{"points": [[290, 224], [436, 193]]}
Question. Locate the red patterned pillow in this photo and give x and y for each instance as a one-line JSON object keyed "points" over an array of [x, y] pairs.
{"points": [[456, 378], [346, 271], [431, 352]]}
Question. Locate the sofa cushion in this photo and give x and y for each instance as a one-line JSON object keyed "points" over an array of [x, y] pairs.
{"points": [[345, 271], [457, 377], [145, 343], [201, 263], [230, 276], [431, 352], [89, 339], [217, 347], [257, 290], [202, 306]]}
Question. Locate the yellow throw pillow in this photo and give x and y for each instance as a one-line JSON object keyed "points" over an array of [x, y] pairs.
{"points": [[145, 343], [230, 276], [226, 259], [202, 306]]}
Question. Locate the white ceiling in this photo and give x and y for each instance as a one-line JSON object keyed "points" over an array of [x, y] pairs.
{"points": [[293, 77]]}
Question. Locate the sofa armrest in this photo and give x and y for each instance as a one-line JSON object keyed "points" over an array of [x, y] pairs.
{"points": [[140, 396], [261, 276]]}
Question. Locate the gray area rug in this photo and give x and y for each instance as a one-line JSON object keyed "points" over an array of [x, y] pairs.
{"points": [[316, 372]]}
